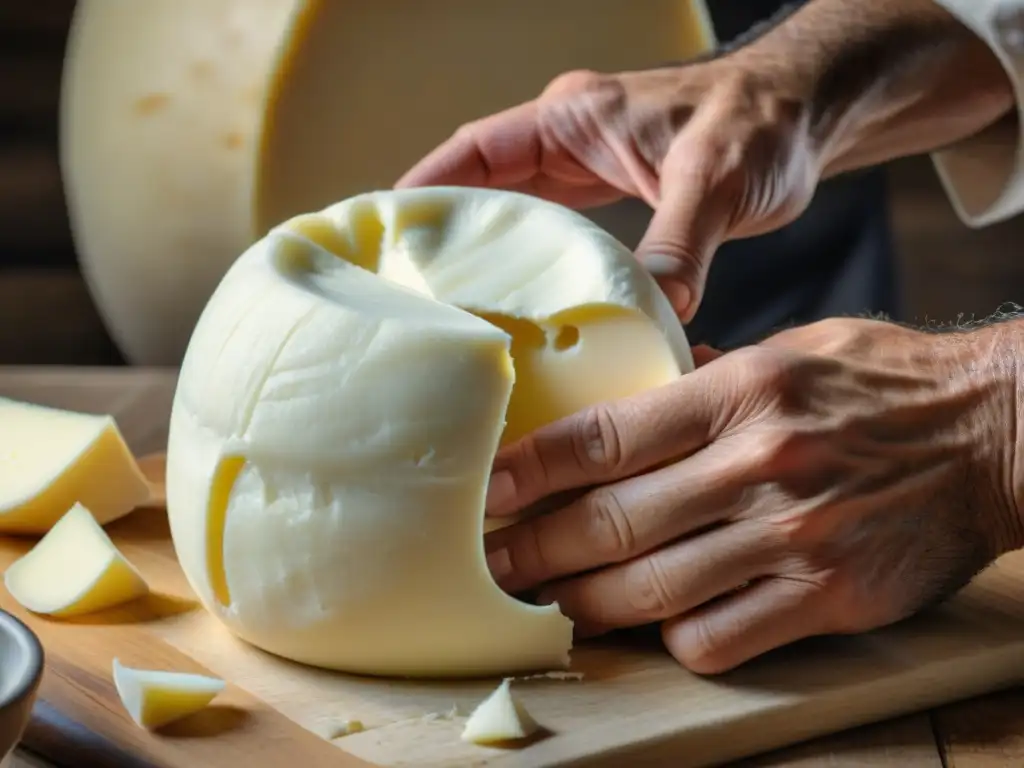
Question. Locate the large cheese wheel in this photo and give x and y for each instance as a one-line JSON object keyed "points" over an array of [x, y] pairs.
{"points": [[190, 127]]}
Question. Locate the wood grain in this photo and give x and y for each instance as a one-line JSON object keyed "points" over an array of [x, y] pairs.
{"points": [[634, 707], [237, 729], [904, 743], [983, 733]]}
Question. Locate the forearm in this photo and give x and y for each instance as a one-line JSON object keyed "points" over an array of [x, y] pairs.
{"points": [[883, 78]]}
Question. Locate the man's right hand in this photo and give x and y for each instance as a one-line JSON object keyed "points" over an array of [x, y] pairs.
{"points": [[719, 151], [735, 146]]}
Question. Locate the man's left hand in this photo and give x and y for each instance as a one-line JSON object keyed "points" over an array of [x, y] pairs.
{"points": [[832, 479]]}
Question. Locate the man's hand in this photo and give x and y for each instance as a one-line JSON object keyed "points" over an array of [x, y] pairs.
{"points": [[835, 478], [718, 151], [735, 146]]}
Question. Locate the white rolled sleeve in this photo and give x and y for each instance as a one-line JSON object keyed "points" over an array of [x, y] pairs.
{"points": [[984, 174]]}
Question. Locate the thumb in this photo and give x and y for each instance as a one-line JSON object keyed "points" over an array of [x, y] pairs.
{"points": [[689, 224]]}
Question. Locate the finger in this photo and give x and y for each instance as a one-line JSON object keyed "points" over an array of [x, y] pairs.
{"points": [[501, 150], [669, 581], [764, 616], [689, 223], [608, 441], [698, 198], [620, 521]]}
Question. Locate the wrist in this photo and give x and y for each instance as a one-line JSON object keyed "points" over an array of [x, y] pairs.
{"points": [[986, 364], [881, 79]]}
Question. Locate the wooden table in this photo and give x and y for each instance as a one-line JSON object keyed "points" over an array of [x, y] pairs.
{"points": [[986, 732]]}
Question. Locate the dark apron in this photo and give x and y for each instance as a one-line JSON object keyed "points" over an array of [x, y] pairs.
{"points": [[835, 260]]}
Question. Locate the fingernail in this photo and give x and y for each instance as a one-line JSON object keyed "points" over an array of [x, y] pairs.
{"points": [[660, 265], [501, 491], [499, 563]]}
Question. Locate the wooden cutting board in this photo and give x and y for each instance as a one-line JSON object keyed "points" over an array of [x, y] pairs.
{"points": [[633, 706]]}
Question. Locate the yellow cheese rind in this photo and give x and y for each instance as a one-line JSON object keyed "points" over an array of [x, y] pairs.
{"points": [[51, 459], [501, 717], [73, 570], [154, 698], [342, 399], [189, 128]]}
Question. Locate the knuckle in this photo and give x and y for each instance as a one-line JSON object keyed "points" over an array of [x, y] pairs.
{"points": [[469, 137], [576, 81], [526, 555], [527, 465], [673, 258], [467, 132], [598, 442], [648, 590], [609, 531], [791, 531], [700, 650], [788, 379]]}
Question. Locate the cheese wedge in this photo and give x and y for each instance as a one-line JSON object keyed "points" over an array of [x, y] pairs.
{"points": [[74, 569], [51, 459], [499, 718], [190, 127], [341, 402], [154, 698]]}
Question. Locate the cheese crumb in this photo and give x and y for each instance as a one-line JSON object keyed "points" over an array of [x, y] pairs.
{"points": [[499, 718]]}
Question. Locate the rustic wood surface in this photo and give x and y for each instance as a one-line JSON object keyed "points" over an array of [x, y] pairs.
{"points": [[77, 716]]}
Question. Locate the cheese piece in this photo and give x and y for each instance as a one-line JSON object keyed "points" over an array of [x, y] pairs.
{"points": [[342, 728], [499, 718], [190, 127], [51, 459], [341, 402], [73, 570], [154, 698]]}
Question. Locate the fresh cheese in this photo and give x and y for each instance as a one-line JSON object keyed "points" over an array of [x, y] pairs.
{"points": [[499, 718], [342, 399], [51, 459], [155, 698], [74, 569], [190, 127]]}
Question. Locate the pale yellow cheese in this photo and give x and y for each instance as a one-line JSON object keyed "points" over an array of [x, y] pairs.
{"points": [[499, 718], [74, 569], [155, 698], [51, 459], [341, 403], [190, 127]]}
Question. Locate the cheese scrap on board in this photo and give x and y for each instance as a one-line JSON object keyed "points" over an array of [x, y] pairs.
{"points": [[74, 569], [499, 718], [155, 698], [52, 459], [341, 401]]}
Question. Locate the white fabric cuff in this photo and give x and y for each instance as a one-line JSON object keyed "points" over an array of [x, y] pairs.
{"points": [[983, 175]]}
